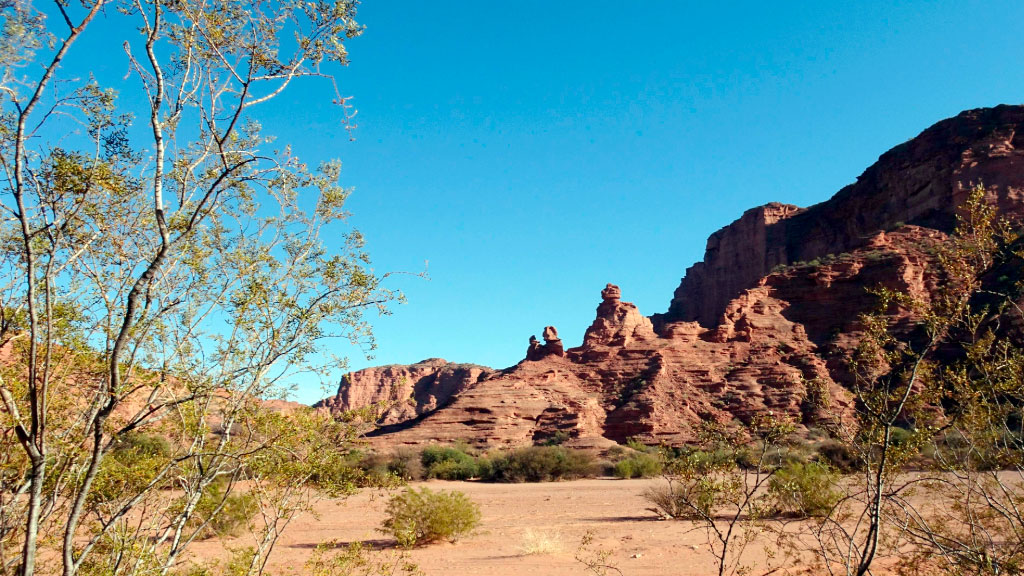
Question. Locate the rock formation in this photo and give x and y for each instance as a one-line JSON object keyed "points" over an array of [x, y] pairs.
{"points": [[771, 309], [552, 346], [618, 323], [398, 393], [919, 182]]}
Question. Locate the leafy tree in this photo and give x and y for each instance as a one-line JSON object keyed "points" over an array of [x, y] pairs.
{"points": [[165, 265], [951, 373]]}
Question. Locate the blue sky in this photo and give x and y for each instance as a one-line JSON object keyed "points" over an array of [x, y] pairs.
{"points": [[533, 151]]}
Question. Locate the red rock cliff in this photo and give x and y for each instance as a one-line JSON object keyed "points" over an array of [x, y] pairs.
{"points": [[920, 182], [772, 308]]}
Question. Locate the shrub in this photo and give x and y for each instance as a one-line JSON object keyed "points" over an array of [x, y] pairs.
{"points": [[805, 489], [639, 446], [219, 512], [688, 499], [407, 465], [462, 469], [540, 464], [375, 469], [448, 463], [750, 458], [540, 542], [839, 455], [417, 517], [639, 465], [558, 438], [329, 559]]}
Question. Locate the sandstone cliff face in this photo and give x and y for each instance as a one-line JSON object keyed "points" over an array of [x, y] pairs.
{"points": [[762, 324], [398, 393], [919, 182]]}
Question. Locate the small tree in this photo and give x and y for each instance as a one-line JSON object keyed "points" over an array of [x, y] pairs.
{"points": [[978, 450], [950, 371], [160, 279], [725, 500]]}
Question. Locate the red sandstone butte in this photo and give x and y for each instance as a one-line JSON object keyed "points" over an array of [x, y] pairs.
{"points": [[772, 307]]}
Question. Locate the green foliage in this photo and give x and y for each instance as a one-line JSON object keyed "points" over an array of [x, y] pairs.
{"points": [[638, 465], [357, 560], [135, 462], [638, 446], [405, 465], [448, 463], [116, 551], [161, 286], [221, 510], [558, 438], [539, 464], [692, 497], [417, 517], [805, 489]]}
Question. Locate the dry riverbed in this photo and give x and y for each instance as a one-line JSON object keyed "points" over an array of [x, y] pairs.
{"points": [[639, 543]]}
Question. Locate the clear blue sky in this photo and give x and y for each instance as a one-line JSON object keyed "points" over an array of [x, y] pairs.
{"points": [[533, 151]]}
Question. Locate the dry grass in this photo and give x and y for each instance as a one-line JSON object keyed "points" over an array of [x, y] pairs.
{"points": [[540, 542]]}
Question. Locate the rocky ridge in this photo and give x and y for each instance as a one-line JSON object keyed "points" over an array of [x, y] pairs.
{"points": [[761, 324]]}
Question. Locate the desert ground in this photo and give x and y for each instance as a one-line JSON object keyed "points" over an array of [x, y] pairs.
{"points": [[613, 510]]}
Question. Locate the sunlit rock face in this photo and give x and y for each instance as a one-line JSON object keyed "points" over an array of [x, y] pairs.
{"points": [[769, 313]]}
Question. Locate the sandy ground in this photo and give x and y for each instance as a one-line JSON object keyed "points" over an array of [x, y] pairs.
{"points": [[613, 510]]}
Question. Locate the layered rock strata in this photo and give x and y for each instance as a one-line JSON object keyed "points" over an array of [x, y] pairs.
{"points": [[762, 324]]}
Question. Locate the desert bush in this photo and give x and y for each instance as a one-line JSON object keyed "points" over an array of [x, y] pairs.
{"points": [[134, 462], [448, 463], [839, 455], [375, 468], [805, 489], [540, 542], [638, 465], [688, 499], [223, 512], [389, 469], [757, 456], [356, 560], [639, 446], [417, 517], [540, 464], [558, 438], [407, 465]]}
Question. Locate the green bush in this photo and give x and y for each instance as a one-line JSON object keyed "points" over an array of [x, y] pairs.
{"points": [[558, 438], [448, 463], [135, 461], [375, 469], [539, 464], [639, 446], [750, 457], [219, 512], [331, 559], [417, 517], [639, 465], [805, 490]]}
